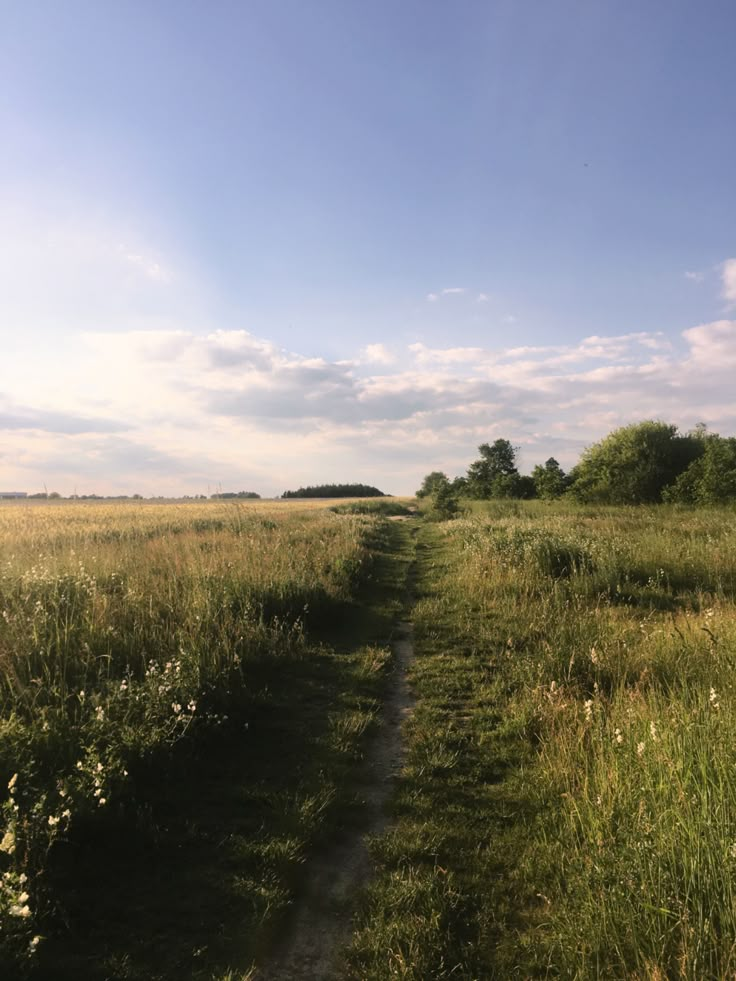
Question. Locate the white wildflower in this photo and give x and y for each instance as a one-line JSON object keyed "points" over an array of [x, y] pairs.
{"points": [[640, 749]]}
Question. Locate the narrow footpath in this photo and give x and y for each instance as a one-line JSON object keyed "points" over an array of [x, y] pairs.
{"points": [[320, 926]]}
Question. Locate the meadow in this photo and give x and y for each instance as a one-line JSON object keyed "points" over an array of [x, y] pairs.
{"points": [[159, 686], [569, 806], [187, 693]]}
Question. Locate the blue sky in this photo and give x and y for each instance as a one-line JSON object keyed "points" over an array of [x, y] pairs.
{"points": [[271, 242]]}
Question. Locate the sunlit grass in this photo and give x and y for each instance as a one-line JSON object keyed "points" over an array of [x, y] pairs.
{"points": [[125, 628], [572, 753]]}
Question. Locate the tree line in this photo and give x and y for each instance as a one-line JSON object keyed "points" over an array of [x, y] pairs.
{"points": [[644, 463], [335, 490]]}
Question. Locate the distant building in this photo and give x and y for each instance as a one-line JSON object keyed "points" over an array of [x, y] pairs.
{"points": [[13, 494]]}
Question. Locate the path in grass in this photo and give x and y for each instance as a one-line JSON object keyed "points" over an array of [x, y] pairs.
{"points": [[210, 872], [322, 919]]}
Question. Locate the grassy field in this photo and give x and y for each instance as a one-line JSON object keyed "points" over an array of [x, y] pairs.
{"points": [[569, 808], [184, 690], [187, 691]]}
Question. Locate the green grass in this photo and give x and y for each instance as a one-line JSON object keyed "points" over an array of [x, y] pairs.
{"points": [[568, 802], [185, 697], [568, 807]]}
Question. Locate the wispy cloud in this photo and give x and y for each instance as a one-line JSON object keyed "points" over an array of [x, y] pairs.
{"points": [[447, 291], [147, 265], [728, 281], [694, 276]]}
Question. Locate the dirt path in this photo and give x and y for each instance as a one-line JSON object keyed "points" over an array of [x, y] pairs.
{"points": [[321, 923]]}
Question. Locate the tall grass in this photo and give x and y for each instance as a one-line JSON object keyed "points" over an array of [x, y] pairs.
{"points": [[614, 632], [124, 629]]}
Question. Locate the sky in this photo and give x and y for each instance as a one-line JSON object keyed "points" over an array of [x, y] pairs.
{"points": [[261, 244]]}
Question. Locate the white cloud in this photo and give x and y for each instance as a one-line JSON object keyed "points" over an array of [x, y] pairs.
{"points": [[377, 354], [173, 410], [482, 298], [728, 281], [453, 289], [432, 297], [695, 277], [713, 346]]}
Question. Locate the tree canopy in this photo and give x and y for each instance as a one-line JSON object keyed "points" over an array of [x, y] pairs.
{"points": [[711, 477], [432, 483], [634, 464], [549, 480], [643, 463], [495, 473]]}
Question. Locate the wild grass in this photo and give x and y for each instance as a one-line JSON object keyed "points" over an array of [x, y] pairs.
{"points": [[129, 630], [572, 775]]}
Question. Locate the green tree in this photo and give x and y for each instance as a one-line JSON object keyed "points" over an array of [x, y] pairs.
{"points": [[711, 478], [634, 464], [549, 480], [495, 474], [432, 483], [445, 504]]}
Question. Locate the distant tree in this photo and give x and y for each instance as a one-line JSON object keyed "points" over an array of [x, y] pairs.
{"points": [[231, 495], [549, 480], [432, 483], [445, 504], [460, 486], [495, 474], [634, 464], [524, 487], [335, 490]]}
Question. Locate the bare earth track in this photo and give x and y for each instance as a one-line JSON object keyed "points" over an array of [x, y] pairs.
{"points": [[321, 922]]}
